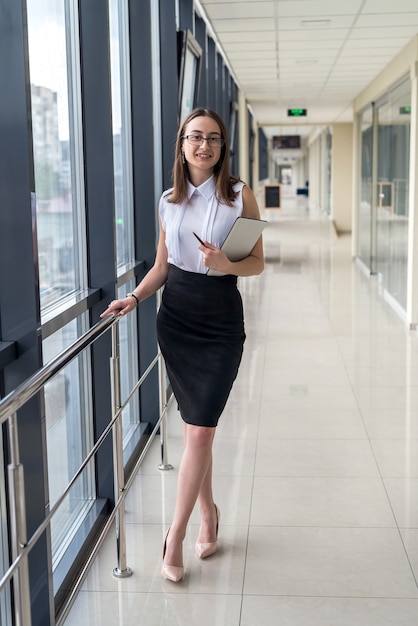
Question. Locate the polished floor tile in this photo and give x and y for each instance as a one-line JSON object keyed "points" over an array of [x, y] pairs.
{"points": [[343, 562], [301, 397], [315, 457], [394, 397], [321, 502], [410, 540], [310, 423], [321, 611], [391, 424], [402, 494], [396, 457], [222, 573], [315, 463], [162, 609]]}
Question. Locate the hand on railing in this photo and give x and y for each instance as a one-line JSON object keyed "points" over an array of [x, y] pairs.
{"points": [[121, 307]]}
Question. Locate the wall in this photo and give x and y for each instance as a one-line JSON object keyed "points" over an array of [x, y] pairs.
{"points": [[342, 176], [397, 68]]}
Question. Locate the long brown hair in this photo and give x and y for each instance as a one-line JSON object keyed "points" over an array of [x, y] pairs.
{"points": [[223, 180]]}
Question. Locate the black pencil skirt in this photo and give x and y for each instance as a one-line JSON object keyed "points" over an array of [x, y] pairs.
{"points": [[201, 334]]}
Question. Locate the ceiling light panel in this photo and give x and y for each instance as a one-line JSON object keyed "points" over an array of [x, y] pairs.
{"points": [[254, 35], [294, 23], [317, 9], [243, 26], [267, 46], [393, 43], [313, 45], [385, 32], [389, 6], [308, 36], [315, 23], [239, 10]]}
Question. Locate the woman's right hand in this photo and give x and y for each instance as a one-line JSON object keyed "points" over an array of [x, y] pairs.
{"points": [[120, 307]]}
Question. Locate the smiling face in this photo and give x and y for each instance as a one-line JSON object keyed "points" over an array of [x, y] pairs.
{"points": [[201, 159]]}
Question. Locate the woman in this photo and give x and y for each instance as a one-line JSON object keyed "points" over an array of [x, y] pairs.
{"points": [[200, 322]]}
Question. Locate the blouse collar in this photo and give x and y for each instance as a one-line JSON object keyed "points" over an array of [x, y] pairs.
{"points": [[206, 189]]}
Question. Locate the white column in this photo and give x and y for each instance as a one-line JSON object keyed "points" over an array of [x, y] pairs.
{"points": [[314, 173], [244, 172], [355, 198], [342, 176], [256, 182], [412, 294]]}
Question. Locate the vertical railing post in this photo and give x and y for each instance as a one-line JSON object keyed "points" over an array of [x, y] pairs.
{"points": [[164, 465], [21, 585], [121, 571]]}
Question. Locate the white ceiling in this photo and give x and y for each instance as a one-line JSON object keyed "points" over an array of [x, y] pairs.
{"points": [[312, 54]]}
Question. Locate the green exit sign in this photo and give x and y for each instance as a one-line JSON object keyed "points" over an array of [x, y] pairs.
{"points": [[405, 110], [297, 112]]}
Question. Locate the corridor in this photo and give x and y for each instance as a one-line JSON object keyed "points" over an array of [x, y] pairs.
{"points": [[315, 462]]}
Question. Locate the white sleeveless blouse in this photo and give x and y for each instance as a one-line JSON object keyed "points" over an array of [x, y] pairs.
{"points": [[200, 213]]}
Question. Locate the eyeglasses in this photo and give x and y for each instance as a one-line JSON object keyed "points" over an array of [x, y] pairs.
{"points": [[197, 140]]}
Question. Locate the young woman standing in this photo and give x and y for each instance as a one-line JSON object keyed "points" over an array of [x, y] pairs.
{"points": [[200, 323]]}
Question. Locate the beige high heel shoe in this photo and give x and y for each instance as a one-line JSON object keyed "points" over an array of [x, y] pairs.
{"points": [[171, 572], [204, 550]]}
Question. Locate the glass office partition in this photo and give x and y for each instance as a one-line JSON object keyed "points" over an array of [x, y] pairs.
{"points": [[384, 190], [326, 165], [393, 146], [365, 208]]}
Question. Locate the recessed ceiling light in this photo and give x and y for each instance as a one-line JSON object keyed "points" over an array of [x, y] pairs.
{"points": [[315, 23]]}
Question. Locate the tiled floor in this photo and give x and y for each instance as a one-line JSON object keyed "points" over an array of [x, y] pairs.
{"points": [[315, 460]]}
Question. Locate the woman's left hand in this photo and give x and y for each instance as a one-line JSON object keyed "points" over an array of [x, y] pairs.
{"points": [[120, 307]]}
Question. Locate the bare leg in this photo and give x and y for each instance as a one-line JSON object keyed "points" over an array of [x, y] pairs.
{"points": [[194, 471], [207, 532]]}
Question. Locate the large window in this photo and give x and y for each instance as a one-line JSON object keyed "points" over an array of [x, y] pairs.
{"points": [[189, 72], [123, 177], [128, 346], [54, 66], [122, 136], [57, 146], [69, 438], [69, 99]]}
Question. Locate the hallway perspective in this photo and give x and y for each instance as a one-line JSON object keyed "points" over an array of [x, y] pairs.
{"points": [[315, 462]]}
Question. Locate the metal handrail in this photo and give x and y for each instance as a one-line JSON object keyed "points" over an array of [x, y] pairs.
{"points": [[21, 547], [30, 387]]}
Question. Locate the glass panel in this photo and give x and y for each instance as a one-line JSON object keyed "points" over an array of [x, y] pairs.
{"points": [[327, 170], [393, 142], [365, 209], [55, 93], [122, 145], [69, 436]]}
